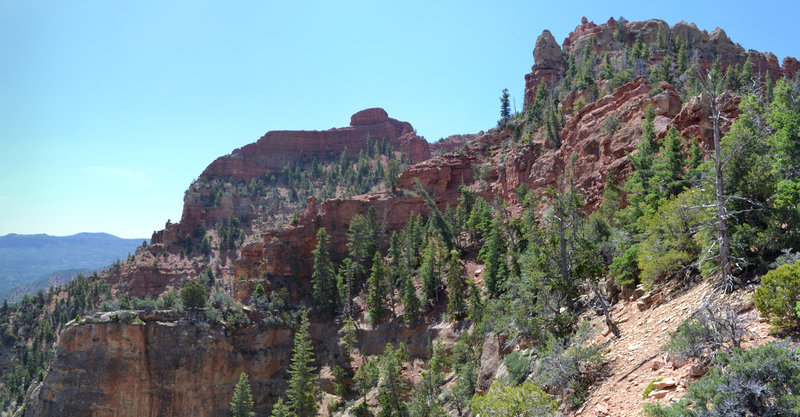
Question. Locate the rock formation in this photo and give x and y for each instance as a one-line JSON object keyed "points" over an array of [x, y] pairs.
{"points": [[703, 47], [548, 65], [168, 365]]}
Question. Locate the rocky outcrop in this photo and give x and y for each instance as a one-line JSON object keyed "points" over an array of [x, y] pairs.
{"points": [[703, 48], [597, 149], [277, 149], [286, 253], [168, 365], [548, 65], [694, 119]]}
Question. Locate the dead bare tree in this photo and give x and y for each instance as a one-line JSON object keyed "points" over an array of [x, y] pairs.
{"points": [[712, 85]]}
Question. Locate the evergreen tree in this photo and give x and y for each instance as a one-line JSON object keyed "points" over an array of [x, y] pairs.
{"points": [[456, 305], [411, 303], [367, 376], [242, 402], [668, 167], [391, 385], [553, 124], [281, 409], [396, 269], [345, 283], [349, 339], [643, 159], [536, 111], [303, 385], [608, 70], [414, 239], [376, 299], [733, 77], [746, 75], [661, 40], [493, 254], [683, 58], [392, 173], [361, 243], [324, 277], [429, 274], [695, 159], [505, 108]]}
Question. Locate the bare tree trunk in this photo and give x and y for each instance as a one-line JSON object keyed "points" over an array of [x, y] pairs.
{"points": [[722, 215]]}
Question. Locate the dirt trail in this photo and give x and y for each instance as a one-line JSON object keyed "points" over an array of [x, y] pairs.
{"points": [[635, 359]]}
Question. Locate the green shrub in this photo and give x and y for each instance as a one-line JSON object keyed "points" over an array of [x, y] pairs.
{"points": [[650, 387], [654, 92], [611, 124], [518, 366], [625, 268], [762, 381], [706, 332], [569, 366], [526, 400], [361, 410], [193, 295], [777, 296], [670, 244]]}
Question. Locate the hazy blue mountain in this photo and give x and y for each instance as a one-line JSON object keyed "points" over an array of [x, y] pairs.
{"points": [[25, 259]]}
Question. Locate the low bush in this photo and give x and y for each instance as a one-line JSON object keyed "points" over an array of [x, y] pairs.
{"points": [[762, 381], [777, 296], [526, 400], [708, 331], [518, 366]]}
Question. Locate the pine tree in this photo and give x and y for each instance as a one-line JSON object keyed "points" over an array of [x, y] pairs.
{"points": [[505, 108], [536, 112], [668, 168], [391, 385], [349, 339], [376, 299], [396, 269], [456, 305], [303, 385], [733, 77], [392, 173], [643, 159], [360, 240], [683, 58], [746, 75], [413, 239], [345, 283], [429, 274], [411, 303], [493, 254], [608, 70], [242, 403], [324, 277], [281, 409]]}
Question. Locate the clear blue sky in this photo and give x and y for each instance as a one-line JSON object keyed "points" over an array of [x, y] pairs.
{"points": [[108, 110]]}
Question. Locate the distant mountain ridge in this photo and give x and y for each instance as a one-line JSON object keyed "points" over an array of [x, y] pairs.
{"points": [[25, 259]]}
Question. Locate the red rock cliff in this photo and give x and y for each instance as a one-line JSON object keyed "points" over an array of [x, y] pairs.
{"points": [[277, 149]]}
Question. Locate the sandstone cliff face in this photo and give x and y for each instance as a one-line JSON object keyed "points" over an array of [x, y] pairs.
{"points": [[169, 366], [277, 149]]}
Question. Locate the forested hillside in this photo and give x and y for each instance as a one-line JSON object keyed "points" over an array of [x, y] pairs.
{"points": [[626, 244]]}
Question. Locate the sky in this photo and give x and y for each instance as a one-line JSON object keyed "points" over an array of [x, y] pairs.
{"points": [[109, 110]]}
